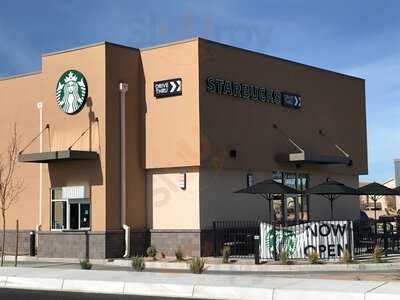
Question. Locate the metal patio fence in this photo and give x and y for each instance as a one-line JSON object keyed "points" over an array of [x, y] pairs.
{"points": [[238, 235], [384, 233]]}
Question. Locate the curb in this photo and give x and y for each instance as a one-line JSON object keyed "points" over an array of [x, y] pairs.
{"points": [[275, 268], [136, 288], [326, 290]]}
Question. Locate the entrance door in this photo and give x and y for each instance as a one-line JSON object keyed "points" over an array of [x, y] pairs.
{"points": [[291, 209], [74, 216]]}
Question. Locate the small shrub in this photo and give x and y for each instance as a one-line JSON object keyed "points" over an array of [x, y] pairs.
{"points": [[162, 255], [197, 265], [284, 258], [313, 257], [377, 255], [152, 252], [345, 258], [226, 253], [179, 255], [85, 264], [138, 263]]}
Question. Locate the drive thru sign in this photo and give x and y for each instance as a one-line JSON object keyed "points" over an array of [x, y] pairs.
{"points": [[168, 88]]}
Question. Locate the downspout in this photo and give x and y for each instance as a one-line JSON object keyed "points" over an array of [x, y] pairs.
{"points": [[39, 106], [123, 88]]}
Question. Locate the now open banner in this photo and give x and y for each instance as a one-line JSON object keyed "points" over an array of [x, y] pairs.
{"points": [[328, 238]]}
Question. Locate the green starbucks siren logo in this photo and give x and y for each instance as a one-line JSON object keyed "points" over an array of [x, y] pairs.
{"points": [[71, 91], [282, 239]]}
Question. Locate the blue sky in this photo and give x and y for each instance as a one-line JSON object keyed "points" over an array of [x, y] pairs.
{"points": [[360, 38]]}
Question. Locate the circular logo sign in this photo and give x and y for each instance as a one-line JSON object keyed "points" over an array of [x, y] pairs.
{"points": [[71, 91]]}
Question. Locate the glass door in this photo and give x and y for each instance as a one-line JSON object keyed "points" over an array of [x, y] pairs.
{"points": [[291, 209], [84, 216], [74, 216], [290, 204], [79, 214]]}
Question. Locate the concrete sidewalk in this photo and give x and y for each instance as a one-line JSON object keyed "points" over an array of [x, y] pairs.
{"points": [[195, 286]]}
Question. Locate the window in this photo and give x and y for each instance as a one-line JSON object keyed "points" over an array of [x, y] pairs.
{"points": [[69, 211], [58, 212]]}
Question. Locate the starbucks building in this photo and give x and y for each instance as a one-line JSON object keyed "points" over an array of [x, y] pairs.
{"points": [[123, 147]]}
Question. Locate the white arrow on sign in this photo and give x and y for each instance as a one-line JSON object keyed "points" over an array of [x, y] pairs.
{"points": [[297, 102], [174, 85]]}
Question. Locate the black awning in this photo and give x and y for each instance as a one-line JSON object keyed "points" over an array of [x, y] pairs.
{"points": [[54, 156], [309, 158]]}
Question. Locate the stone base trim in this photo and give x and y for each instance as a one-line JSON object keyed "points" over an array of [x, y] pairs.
{"points": [[90, 244], [191, 242], [111, 243], [11, 239]]}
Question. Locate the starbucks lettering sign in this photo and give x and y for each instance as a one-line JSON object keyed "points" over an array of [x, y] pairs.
{"points": [[71, 92]]}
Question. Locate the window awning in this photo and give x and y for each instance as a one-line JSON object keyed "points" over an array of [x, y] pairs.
{"points": [[310, 158], [55, 156]]}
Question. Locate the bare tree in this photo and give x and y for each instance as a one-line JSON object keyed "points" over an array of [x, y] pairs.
{"points": [[10, 186]]}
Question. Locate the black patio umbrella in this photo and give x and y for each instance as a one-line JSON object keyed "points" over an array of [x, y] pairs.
{"points": [[267, 189], [331, 190], [375, 191]]}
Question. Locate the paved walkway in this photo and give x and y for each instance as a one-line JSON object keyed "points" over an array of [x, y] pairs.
{"points": [[186, 285]]}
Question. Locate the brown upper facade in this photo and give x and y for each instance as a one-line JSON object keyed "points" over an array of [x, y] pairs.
{"points": [[331, 103], [213, 125]]}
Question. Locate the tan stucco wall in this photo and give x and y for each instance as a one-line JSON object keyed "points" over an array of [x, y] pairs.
{"points": [[170, 207], [172, 124], [101, 64], [18, 98], [66, 128], [332, 102]]}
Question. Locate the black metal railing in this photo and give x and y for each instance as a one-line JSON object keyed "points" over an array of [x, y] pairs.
{"points": [[238, 235], [384, 233], [364, 237]]}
